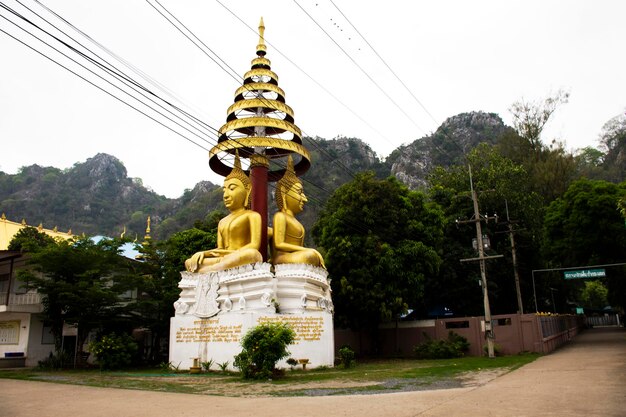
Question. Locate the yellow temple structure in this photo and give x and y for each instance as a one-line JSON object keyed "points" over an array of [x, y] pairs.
{"points": [[8, 229]]}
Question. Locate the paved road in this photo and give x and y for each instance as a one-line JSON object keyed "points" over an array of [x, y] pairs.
{"points": [[586, 378]]}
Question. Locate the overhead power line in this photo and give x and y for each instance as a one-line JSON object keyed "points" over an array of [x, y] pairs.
{"points": [[385, 62], [174, 21], [360, 67]]}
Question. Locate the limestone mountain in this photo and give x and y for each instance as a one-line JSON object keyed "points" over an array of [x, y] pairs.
{"points": [[97, 197], [455, 137], [93, 197]]}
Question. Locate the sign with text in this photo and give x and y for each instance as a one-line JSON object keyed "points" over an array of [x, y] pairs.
{"points": [[585, 273]]}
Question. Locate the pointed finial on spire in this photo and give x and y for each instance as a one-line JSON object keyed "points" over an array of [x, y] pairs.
{"points": [[56, 229], [261, 50], [23, 222], [4, 217], [147, 236], [69, 232], [290, 165], [40, 227]]}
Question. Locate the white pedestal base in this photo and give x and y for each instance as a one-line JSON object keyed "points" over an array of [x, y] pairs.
{"points": [[216, 310]]}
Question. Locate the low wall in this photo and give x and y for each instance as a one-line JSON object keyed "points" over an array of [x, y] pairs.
{"points": [[514, 333]]}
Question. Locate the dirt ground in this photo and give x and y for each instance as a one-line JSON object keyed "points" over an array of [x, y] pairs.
{"points": [[585, 378]]}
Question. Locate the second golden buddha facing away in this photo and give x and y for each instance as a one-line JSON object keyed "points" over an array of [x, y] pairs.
{"points": [[288, 234], [238, 234]]}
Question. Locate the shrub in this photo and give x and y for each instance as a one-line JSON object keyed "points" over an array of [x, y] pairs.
{"points": [[346, 357], [55, 361], [207, 365], [454, 346], [292, 362], [114, 351], [263, 346]]}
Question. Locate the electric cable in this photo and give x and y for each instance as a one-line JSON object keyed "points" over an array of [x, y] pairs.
{"points": [[359, 67], [117, 73]]}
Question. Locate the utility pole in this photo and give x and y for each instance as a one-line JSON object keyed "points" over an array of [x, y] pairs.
{"points": [[520, 306], [477, 219]]}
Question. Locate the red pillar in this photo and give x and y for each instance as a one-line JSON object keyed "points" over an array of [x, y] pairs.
{"points": [[259, 166]]}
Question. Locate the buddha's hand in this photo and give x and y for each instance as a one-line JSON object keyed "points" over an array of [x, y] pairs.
{"points": [[192, 263], [321, 260]]}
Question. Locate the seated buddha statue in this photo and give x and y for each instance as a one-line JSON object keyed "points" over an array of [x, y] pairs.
{"points": [[288, 232], [238, 234]]}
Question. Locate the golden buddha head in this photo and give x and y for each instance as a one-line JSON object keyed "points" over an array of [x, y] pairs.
{"points": [[237, 187], [289, 191]]}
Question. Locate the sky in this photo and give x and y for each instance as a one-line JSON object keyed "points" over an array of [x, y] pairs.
{"points": [[384, 72]]}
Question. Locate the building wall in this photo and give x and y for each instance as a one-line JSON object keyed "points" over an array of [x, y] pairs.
{"points": [[41, 343], [514, 333], [14, 332]]}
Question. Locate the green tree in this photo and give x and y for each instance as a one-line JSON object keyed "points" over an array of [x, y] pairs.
{"points": [[613, 141], [550, 167], [594, 295], [29, 239], [79, 281], [530, 117], [501, 184], [155, 280], [381, 241], [577, 225], [584, 227]]}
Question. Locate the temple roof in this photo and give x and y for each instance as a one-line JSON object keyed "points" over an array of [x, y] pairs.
{"points": [[8, 229]]}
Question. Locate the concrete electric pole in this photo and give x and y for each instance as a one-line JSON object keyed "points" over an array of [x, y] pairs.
{"points": [[477, 219]]}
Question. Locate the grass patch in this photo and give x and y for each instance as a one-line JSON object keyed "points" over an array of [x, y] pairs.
{"points": [[367, 377]]}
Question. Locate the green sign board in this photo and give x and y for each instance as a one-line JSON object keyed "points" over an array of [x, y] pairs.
{"points": [[585, 273]]}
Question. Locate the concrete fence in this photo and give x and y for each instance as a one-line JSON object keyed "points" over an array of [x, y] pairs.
{"points": [[514, 333]]}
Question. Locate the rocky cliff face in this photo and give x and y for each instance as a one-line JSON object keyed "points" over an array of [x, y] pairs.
{"points": [[412, 163], [97, 197], [94, 197]]}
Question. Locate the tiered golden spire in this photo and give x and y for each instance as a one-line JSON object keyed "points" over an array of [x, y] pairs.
{"points": [[259, 124]]}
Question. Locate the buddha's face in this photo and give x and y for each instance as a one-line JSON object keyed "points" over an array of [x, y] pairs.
{"points": [[295, 198], [234, 194]]}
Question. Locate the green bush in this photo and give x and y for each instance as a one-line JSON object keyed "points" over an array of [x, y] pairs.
{"points": [[114, 351], [346, 357], [292, 363], [263, 346], [454, 346], [55, 361]]}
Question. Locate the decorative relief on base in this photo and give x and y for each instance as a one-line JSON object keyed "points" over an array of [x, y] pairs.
{"points": [[206, 296], [302, 287], [302, 271], [255, 287]]}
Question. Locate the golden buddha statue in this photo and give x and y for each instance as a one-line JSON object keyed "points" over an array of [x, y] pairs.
{"points": [[288, 233], [238, 234]]}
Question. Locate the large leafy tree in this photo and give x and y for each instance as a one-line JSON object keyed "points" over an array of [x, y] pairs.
{"points": [[500, 184], [594, 295], [30, 240], [380, 241], [613, 141], [155, 280], [530, 117], [80, 282], [585, 227], [548, 164]]}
